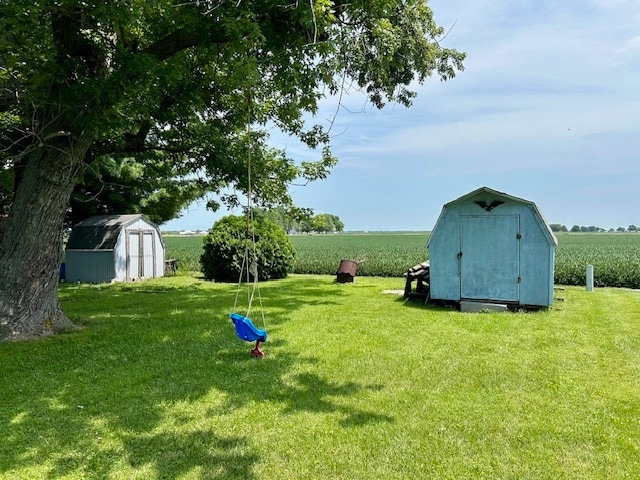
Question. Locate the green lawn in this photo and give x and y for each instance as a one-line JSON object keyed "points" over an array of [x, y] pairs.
{"points": [[355, 384]]}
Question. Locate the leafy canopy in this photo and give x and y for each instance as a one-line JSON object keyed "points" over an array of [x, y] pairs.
{"points": [[241, 248], [165, 90]]}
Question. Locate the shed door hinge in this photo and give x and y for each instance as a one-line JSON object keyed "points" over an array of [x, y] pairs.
{"points": [[519, 279], [518, 236]]}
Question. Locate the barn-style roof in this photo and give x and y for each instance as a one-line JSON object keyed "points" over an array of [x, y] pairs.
{"points": [[100, 232], [490, 192]]}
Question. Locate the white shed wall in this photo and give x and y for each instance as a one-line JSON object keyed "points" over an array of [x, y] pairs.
{"points": [[157, 248], [95, 265], [120, 258]]}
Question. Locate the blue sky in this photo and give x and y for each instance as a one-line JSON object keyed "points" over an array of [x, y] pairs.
{"points": [[547, 109]]}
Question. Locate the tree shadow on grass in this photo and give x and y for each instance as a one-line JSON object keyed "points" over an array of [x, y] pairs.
{"points": [[163, 455], [300, 392], [100, 402]]}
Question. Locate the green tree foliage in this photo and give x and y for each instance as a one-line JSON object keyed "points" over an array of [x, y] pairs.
{"points": [[186, 89], [302, 220], [237, 248], [326, 223], [287, 218], [581, 228], [114, 185]]}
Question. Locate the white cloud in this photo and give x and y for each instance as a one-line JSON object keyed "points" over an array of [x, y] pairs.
{"points": [[631, 46], [547, 109]]}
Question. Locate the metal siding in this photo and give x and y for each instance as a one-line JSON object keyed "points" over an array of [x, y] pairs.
{"points": [[147, 260], [148, 263], [120, 257], [148, 255], [89, 266], [159, 258], [133, 255], [138, 224]]}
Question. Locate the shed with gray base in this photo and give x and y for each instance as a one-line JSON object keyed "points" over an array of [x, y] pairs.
{"points": [[114, 248], [488, 246]]}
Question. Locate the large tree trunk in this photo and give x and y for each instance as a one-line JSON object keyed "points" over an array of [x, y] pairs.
{"points": [[31, 247]]}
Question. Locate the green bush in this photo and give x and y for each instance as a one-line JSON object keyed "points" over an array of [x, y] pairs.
{"points": [[232, 237]]}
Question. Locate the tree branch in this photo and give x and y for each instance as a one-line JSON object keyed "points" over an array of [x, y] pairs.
{"points": [[173, 43]]}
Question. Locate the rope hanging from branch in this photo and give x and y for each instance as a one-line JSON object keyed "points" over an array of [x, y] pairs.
{"points": [[245, 328]]}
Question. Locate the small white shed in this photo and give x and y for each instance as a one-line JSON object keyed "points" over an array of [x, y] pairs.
{"points": [[111, 248]]}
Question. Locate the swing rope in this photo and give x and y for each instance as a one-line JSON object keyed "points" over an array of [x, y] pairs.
{"points": [[251, 266]]}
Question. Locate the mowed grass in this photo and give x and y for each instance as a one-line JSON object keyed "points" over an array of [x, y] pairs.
{"points": [[356, 383]]}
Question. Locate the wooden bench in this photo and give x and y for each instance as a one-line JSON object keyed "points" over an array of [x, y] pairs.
{"points": [[170, 267], [420, 274]]}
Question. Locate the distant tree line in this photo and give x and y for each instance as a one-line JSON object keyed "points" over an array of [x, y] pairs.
{"points": [[301, 220], [556, 227]]}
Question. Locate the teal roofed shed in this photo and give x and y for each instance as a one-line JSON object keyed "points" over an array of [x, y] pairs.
{"points": [[488, 246]]}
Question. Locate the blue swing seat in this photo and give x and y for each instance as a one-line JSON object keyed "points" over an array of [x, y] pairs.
{"points": [[246, 330]]}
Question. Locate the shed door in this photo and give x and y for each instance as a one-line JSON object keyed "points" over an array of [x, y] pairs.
{"points": [[140, 254], [489, 260], [133, 256], [148, 255]]}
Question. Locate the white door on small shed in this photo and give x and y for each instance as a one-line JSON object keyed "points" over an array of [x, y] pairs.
{"points": [[148, 255], [140, 254], [489, 257]]}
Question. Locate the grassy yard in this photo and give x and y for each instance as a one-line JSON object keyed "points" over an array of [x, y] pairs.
{"points": [[355, 384]]}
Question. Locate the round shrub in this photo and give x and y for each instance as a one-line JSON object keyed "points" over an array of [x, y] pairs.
{"points": [[231, 236]]}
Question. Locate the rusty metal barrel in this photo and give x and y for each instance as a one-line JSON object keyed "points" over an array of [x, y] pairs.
{"points": [[346, 271]]}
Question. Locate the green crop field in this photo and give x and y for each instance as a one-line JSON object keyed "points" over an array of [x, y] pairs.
{"points": [[186, 249], [615, 256], [380, 255]]}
